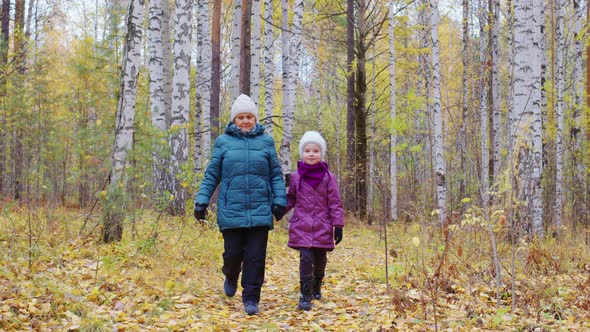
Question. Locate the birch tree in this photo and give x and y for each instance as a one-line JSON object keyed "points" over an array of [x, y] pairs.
{"points": [[203, 97], [180, 103], [392, 117], [526, 132], [245, 47], [288, 104], [215, 67], [577, 111], [559, 112], [158, 65], [234, 83], [256, 49], [464, 96], [495, 87], [124, 125], [269, 66], [438, 153]]}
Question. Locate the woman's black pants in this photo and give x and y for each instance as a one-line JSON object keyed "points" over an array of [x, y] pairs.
{"points": [[245, 251]]}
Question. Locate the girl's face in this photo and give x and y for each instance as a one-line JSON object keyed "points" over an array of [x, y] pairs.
{"points": [[245, 121], [312, 154]]}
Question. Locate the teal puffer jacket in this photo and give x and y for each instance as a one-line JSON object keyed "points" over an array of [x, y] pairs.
{"points": [[250, 179]]}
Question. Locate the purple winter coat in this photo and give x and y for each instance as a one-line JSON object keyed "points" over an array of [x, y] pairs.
{"points": [[317, 212]]}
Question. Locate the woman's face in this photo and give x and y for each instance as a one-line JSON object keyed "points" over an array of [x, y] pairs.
{"points": [[245, 121], [312, 154]]}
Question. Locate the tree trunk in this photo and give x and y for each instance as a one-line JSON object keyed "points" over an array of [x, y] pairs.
{"points": [[576, 135], [245, 47], [159, 107], [180, 103], [559, 112], [360, 115], [4, 35], [464, 98], [496, 93], [203, 101], [124, 126], [438, 152], [234, 84], [285, 151], [215, 67], [269, 66], [527, 109], [392, 117], [256, 49], [349, 200]]}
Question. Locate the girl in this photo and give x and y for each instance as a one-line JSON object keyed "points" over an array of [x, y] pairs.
{"points": [[318, 218], [252, 190]]}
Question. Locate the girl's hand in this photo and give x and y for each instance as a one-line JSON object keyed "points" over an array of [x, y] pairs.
{"points": [[337, 234]]}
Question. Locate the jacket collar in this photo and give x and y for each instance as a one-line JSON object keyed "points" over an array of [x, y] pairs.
{"points": [[233, 130]]}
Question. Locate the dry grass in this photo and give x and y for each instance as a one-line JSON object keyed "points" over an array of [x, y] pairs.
{"points": [[56, 279]]}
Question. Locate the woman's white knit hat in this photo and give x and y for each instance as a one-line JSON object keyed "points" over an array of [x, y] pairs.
{"points": [[313, 137], [243, 104]]}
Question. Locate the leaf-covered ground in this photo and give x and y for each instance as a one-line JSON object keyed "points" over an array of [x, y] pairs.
{"points": [[55, 279]]}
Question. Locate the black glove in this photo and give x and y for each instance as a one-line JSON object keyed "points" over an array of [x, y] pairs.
{"points": [[278, 211], [337, 234], [200, 211], [287, 179]]}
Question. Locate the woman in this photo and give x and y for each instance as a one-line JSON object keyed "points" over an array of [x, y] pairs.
{"points": [[245, 166]]}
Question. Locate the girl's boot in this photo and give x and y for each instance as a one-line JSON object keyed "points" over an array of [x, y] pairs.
{"points": [[316, 289], [305, 298]]}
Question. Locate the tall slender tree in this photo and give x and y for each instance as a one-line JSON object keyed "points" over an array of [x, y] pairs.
{"points": [[526, 134], [203, 87], [559, 112], [4, 37], [437, 151], [215, 67], [256, 49], [180, 103], [392, 116], [269, 66], [160, 106], [245, 47], [125, 119], [234, 83], [349, 199]]}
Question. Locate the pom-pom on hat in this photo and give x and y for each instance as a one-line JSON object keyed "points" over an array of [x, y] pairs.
{"points": [[313, 137], [243, 104]]}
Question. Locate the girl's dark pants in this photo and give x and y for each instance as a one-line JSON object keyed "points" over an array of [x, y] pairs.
{"points": [[312, 262], [245, 250]]}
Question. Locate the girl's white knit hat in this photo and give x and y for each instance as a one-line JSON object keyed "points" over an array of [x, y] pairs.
{"points": [[243, 104], [313, 137]]}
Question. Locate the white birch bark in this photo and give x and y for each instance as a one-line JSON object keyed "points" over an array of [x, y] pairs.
{"points": [[234, 83], [159, 108], [559, 111], [256, 50], [203, 87], [372, 113], [317, 65], [438, 153], [269, 66], [483, 107], [285, 151], [392, 117], [496, 91], [180, 102], [125, 118], [526, 129], [577, 119]]}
